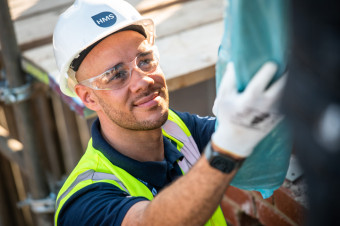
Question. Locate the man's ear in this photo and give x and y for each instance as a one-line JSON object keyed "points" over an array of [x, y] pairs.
{"points": [[87, 96]]}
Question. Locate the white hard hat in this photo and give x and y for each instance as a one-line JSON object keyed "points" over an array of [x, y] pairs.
{"points": [[86, 23]]}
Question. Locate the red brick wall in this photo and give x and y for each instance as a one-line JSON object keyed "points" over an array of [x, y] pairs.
{"points": [[247, 208]]}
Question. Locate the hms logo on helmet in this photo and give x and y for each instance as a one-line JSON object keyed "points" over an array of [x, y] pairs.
{"points": [[104, 19]]}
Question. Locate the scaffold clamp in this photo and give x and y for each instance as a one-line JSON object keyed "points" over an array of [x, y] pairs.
{"points": [[45, 205], [17, 94]]}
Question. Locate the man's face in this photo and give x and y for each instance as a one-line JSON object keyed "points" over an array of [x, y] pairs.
{"points": [[140, 105]]}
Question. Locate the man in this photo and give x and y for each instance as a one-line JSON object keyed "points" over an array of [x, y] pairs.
{"points": [[131, 173]]}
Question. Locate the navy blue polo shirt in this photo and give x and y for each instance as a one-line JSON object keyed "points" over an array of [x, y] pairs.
{"points": [[106, 204]]}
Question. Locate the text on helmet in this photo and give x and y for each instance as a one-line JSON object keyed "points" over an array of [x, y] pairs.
{"points": [[104, 19]]}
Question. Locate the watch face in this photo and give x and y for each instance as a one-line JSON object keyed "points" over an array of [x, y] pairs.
{"points": [[223, 164]]}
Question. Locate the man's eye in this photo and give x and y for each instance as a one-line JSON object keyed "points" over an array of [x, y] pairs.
{"points": [[147, 64], [120, 75], [114, 76]]}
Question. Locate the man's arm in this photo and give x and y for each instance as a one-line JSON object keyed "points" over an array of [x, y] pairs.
{"points": [[191, 200]]}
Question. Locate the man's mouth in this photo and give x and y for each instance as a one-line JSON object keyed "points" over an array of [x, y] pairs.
{"points": [[149, 100]]}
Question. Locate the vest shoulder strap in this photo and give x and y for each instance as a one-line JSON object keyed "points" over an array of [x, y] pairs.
{"points": [[176, 130]]}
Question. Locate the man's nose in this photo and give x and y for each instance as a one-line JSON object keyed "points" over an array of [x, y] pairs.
{"points": [[140, 80]]}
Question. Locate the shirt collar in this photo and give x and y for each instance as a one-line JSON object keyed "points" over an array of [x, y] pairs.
{"points": [[153, 172]]}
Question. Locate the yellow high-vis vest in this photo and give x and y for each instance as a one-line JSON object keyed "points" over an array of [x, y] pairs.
{"points": [[94, 167]]}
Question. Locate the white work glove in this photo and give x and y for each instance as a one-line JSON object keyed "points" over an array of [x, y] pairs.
{"points": [[244, 119]]}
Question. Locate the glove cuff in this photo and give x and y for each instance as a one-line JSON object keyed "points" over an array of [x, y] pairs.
{"points": [[233, 146]]}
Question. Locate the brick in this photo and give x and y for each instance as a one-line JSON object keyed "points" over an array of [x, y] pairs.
{"points": [[231, 211], [286, 202], [243, 198], [270, 216]]}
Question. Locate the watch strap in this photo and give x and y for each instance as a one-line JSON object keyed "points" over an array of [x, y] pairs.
{"points": [[222, 162]]}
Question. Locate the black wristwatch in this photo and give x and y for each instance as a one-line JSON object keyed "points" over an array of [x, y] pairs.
{"points": [[222, 162]]}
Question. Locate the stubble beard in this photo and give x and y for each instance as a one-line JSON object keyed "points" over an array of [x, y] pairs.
{"points": [[131, 122]]}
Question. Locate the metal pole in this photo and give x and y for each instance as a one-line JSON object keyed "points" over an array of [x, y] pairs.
{"points": [[23, 112], [9, 213], [9, 48]]}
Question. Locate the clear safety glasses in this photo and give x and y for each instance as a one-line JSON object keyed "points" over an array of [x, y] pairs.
{"points": [[118, 76]]}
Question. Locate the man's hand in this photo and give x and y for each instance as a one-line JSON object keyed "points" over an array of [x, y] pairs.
{"points": [[244, 119]]}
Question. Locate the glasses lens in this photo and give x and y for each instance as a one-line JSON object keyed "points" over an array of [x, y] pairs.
{"points": [[147, 61], [114, 78], [119, 75]]}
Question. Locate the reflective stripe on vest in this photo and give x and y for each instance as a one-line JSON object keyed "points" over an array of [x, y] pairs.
{"points": [[100, 169], [189, 148], [90, 175]]}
